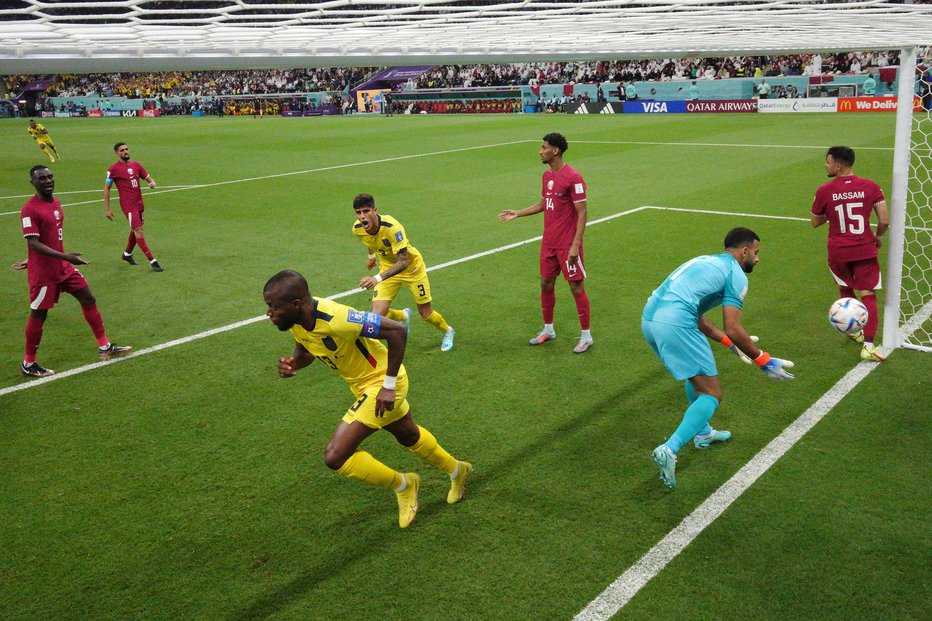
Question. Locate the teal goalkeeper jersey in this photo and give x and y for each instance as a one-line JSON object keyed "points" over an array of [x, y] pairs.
{"points": [[695, 287]]}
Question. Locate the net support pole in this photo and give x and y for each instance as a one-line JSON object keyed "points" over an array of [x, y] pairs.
{"points": [[895, 243]]}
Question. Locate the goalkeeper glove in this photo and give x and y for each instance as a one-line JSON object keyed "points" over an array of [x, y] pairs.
{"points": [[774, 367], [734, 349]]}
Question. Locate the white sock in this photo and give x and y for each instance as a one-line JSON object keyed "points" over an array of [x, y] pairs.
{"points": [[404, 484], [584, 334], [153, 260], [548, 328], [127, 254], [456, 471], [869, 344]]}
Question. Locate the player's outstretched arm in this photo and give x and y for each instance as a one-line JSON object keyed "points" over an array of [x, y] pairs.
{"points": [[511, 214], [71, 257], [395, 336], [712, 331]]}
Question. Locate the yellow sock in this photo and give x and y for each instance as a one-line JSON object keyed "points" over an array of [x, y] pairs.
{"points": [[431, 452], [436, 319], [397, 315], [365, 467]]}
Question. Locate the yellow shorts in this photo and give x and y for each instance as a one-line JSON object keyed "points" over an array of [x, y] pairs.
{"points": [[417, 283], [363, 410]]}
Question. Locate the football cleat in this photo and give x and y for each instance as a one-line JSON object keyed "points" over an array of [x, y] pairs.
{"points": [[707, 440], [407, 320], [446, 342], [583, 345], [542, 338], [128, 258], [872, 354], [112, 350], [458, 483], [155, 265], [407, 500], [35, 370], [857, 337], [666, 461]]}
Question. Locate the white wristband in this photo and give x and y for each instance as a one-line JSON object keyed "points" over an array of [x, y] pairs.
{"points": [[371, 255], [378, 278], [390, 382]]}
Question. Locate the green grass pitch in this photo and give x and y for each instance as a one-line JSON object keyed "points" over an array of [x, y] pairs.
{"points": [[189, 482]]}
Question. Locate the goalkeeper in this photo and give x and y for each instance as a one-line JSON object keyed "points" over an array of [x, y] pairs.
{"points": [[676, 330]]}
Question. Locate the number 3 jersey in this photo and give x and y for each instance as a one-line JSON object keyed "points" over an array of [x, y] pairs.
{"points": [[847, 202], [128, 178], [345, 339]]}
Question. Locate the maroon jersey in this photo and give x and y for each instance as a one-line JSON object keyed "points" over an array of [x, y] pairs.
{"points": [[560, 191], [128, 177], [847, 202], [45, 220]]}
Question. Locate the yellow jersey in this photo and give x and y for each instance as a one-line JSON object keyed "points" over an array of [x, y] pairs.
{"points": [[39, 133], [337, 340], [387, 242]]}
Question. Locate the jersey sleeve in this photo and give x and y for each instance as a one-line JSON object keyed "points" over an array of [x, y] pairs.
{"points": [[577, 188], [356, 323], [736, 287], [399, 239], [818, 203], [877, 194], [143, 173], [30, 222]]}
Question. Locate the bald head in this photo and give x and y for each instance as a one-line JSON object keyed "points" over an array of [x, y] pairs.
{"points": [[289, 300], [289, 285]]}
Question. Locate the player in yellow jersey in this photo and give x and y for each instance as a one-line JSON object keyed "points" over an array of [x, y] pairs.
{"points": [[399, 264], [41, 135], [346, 340]]}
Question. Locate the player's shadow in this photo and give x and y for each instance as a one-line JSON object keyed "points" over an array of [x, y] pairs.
{"points": [[620, 404]]}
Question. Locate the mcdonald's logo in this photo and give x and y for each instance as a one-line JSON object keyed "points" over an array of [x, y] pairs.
{"points": [[845, 105]]}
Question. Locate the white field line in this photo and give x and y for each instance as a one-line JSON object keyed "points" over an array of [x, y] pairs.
{"points": [[626, 586], [303, 172], [721, 144], [100, 189], [246, 322]]}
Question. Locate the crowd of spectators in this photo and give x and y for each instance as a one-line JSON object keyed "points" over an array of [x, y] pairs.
{"points": [[310, 80], [534, 74], [459, 106], [208, 83]]}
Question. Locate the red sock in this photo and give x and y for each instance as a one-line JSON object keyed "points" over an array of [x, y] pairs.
{"points": [[33, 338], [141, 242], [130, 243], [96, 322], [582, 307], [870, 330], [548, 300], [846, 292]]}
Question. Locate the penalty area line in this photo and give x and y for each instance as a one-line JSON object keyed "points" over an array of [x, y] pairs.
{"points": [[239, 324], [627, 585]]}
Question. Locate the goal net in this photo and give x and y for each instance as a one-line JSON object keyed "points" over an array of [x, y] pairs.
{"points": [[907, 320]]}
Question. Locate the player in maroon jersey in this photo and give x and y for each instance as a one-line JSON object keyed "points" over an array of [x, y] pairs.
{"points": [[563, 201], [846, 203], [126, 174], [51, 271]]}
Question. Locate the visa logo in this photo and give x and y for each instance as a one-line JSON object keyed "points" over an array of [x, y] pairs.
{"points": [[654, 106]]}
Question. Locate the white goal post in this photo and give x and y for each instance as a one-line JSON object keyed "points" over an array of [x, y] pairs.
{"points": [[908, 298]]}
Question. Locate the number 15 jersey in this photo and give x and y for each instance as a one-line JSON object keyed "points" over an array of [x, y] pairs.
{"points": [[847, 203]]}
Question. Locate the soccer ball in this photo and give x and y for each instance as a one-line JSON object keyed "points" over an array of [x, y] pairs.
{"points": [[848, 315]]}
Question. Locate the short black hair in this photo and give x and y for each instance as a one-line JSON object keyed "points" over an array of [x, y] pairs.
{"points": [[842, 155], [118, 145], [557, 140], [32, 171], [363, 200], [739, 236], [292, 284]]}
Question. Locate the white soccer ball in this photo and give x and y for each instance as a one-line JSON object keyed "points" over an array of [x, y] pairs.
{"points": [[848, 315]]}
